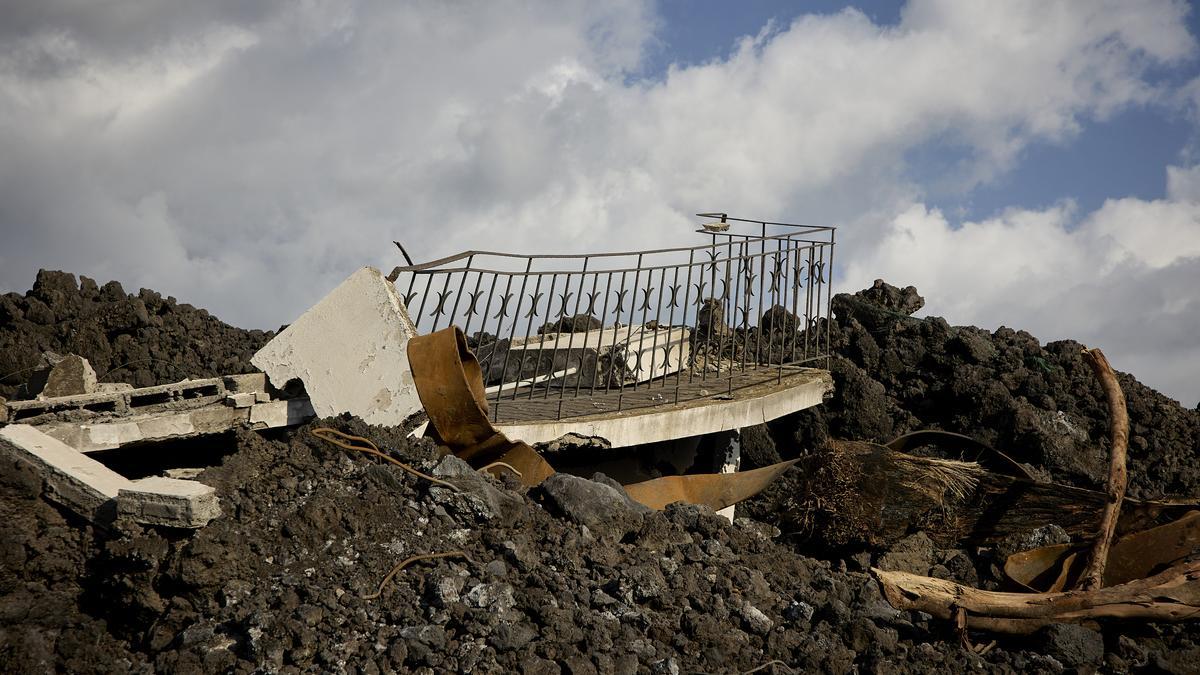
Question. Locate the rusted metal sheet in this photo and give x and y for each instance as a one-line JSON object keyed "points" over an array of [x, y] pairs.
{"points": [[717, 490], [1134, 556], [450, 385]]}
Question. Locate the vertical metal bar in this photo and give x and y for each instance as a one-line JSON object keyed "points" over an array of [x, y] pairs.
{"points": [[412, 280], [613, 347], [441, 306], [747, 261], [737, 289], [829, 306], [808, 299], [687, 294], [762, 280], [511, 334], [562, 390], [657, 320], [629, 336], [794, 266], [471, 311], [642, 325], [776, 282], [599, 336], [671, 322], [457, 298], [483, 329], [554, 351], [424, 297], [537, 286]]}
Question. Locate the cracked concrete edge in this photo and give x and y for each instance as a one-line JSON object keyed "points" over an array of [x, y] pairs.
{"points": [[100, 494], [69, 477], [172, 502]]}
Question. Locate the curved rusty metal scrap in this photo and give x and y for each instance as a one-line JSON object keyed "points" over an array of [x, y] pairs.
{"points": [[984, 454], [1134, 556], [450, 385], [717, 490]]}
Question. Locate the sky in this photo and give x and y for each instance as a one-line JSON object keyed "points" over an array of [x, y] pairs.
{"points": [[1033, 164]]}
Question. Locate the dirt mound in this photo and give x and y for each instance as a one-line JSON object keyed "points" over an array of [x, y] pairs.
{"points": [[279, 582], [141, 339], [1040, 404]]}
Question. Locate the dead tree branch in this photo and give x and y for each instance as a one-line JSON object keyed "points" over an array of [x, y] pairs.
{"points": [[1118, 475]]}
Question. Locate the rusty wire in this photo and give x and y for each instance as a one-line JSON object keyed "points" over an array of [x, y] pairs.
{"points": [[324, 432], [408, 561], [506, 465]]}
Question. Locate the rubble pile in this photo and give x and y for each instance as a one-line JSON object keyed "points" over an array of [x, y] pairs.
{"points": [[142, 339], [1039, 404], [570, 576]]}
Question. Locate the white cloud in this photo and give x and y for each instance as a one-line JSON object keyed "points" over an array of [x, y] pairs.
{"points": [[247, 156]]}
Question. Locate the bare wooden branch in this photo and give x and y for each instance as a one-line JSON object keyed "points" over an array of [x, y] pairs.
{"points": [[1118, 475], [1172, 595]]}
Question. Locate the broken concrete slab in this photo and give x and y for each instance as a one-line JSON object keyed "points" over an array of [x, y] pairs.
{"points": [[122, 401], [796, 390], [212, 419], [72, 479], [172, 502], [71, 376], [280, 413], [247, 382], [243, 400], [351, 352]]}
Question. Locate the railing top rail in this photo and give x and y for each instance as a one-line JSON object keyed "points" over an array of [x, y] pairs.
{"points": [[725, 217], [438, 265]]}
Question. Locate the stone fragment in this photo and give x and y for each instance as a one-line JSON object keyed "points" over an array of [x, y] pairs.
{"points": [[599, 507], [242, 400], [248, 382], [72, 376], [1074, 645]]}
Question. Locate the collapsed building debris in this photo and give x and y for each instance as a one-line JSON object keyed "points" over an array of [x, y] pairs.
{"points": [[631, 384], [305, 569], [100, 494], [57, 433]]}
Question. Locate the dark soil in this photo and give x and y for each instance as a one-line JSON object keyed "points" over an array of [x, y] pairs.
{"points": [[567, 578]]}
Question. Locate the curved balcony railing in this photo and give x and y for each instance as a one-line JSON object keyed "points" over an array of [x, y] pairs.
{"points": [[671, 324]]}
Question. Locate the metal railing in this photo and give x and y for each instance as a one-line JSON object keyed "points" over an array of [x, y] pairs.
{"points": [[676, 323]]}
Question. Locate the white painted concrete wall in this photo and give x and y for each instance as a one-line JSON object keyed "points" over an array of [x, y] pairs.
{"points": [[351, 352]]}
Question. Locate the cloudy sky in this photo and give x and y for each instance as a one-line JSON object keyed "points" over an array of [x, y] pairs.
{"points": [[1030, 164]]}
